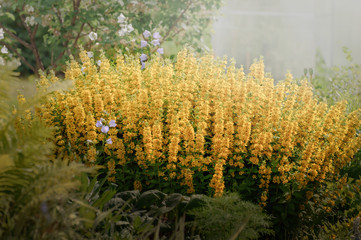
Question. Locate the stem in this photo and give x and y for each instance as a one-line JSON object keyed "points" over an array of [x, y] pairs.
{"points": [[24, 43], [240, 229]]}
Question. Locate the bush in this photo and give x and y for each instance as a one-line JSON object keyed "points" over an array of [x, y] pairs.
{"points": [[228, 217], [200, 126]]}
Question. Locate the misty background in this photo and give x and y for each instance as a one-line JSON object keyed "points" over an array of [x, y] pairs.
{"points": [[288, 33]]}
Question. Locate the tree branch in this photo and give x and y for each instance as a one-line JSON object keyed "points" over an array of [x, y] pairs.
{"points": [[76, 6], [39, 63], [58, 14], [67, 42], [22, 42]]}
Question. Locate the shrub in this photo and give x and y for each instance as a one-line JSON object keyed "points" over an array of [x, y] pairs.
{"points": [[202, 126], [228, 217]]}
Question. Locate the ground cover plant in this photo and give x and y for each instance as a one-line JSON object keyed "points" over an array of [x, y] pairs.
{"points": [[202, 126]]}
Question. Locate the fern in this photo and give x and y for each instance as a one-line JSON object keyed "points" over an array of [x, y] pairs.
{"points": [[35, 193]]}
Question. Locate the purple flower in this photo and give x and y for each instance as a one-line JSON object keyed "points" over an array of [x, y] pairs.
{"points": [[160, 50], [99, 123], [143, 65], [112, 123], [156, 35], [143, 57], [105, 129], [143, 43], [146, 34], [156, 42], [109, 141]]}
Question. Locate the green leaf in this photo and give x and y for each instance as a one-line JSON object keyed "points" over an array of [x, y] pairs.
{"points": [[149, 198], [196, 201], [106, 196], [10, 15]]}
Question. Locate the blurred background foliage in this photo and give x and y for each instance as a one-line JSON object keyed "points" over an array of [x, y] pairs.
{"points": [[43, 34]]}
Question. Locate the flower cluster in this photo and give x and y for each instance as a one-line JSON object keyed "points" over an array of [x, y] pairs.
{"points": [[202, 121], [144, 43], [105, 128]]}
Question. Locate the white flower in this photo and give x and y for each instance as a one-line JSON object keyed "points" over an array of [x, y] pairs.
{"points": [[30, 20], [1, 33], [130, 28], [93, 36], [4, 50], [2, 61], [99, 62], [29, 9], [90, 54], [121, 18], [82, 70], [122, 32]]}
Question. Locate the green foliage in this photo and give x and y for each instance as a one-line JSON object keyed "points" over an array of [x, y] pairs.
{"points": [[228, 217], [34, 192], [133, 215], [43, 34], [336, 83]]}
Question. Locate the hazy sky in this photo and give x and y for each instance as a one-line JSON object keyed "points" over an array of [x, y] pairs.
{"points": [[287, 33]]}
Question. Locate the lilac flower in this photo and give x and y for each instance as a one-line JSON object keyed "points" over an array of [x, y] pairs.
{"points": [[146, 34], [90, 54], [105, 129], [156, 42], [112, 123], [160, 50], [143, 43], [99, 62], [109, 141], [82, 70], [143, 57], [99, 123], [143, 66], [93, 36], [156, 35]]}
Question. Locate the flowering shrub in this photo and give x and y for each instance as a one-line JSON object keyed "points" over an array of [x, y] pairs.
{"points": [[42, 33], [200, 126]]}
